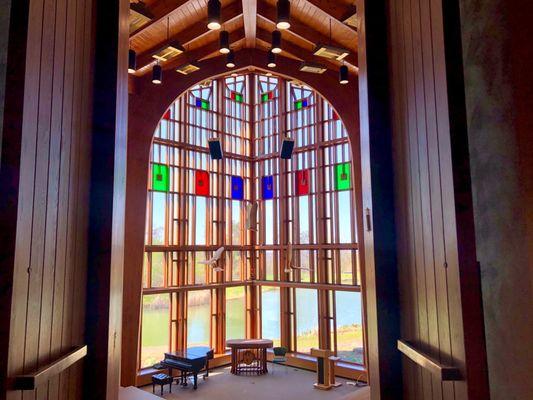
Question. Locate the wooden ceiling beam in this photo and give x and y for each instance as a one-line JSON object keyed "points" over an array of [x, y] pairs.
{"points": [[249, 12], [229, 14], [197, 54], [303, 31], [297, 51], [162, 10], [336, 9]]}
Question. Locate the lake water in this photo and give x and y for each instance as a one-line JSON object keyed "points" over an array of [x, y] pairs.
{"points": [[348, 305]]}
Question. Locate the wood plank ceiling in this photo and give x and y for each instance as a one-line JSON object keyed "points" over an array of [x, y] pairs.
{"points": [[250, 24]]}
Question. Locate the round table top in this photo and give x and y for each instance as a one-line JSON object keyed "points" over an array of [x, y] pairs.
{"points": [[250, 343]]}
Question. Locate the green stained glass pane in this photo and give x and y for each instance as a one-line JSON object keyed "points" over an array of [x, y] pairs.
{"points": [[239, 97], [343, 179], [160, 182], [205, 105], [298, 105], [264, 97]]}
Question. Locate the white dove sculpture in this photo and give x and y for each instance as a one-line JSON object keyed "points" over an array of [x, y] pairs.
{"points": [[290, 265], [251, 216], [213, 261]]}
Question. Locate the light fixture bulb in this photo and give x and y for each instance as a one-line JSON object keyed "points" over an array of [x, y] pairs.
{"points": [[157, 74], [213, 15], [284, 12], [343, 75], [271, 61], [230, 59], [276, 42], [132, 61], [224, 42]]}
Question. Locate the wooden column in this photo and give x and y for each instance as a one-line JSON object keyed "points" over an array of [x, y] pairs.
{"points": [[253, 293], [107, 200], [10, 171], [380, 284]]}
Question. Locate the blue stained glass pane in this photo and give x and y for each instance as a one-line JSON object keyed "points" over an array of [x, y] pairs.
{"points": [[198, 102], [304, 102], [237, 188], [267, 187]]}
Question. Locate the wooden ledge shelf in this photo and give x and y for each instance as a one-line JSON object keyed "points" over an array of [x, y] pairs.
{"points": [[443, 372], [33, 380]]}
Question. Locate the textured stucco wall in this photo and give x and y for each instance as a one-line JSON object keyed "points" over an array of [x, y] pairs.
{"points": [[500, 202]]}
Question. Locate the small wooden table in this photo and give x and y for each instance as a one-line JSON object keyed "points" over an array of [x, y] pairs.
{"points": [[249, 356]]}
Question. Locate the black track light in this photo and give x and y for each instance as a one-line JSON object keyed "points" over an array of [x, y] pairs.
{"points": [[343, 75], [230, 59], [284, 13], [213, 14], [271, 61], [276, 42], [132, 61], [224, 42], [157, 74]]}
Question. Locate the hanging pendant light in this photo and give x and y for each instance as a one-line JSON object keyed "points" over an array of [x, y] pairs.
{"points": [[230, 59], [132, 61], [157, 74], [276, 42], [284, 12], [271, 60], [343, 75], [213, 15], [224, 42]]}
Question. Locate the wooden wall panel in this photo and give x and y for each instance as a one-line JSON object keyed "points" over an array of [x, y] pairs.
{"points": [[46, 176], [439, 278]]}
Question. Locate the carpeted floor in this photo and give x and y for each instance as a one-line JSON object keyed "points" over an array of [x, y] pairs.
{"points": [[284, 383]]}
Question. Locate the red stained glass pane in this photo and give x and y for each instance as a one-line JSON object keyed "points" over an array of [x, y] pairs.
{"points": [[302, 182], [202, 183], [167, 115]]}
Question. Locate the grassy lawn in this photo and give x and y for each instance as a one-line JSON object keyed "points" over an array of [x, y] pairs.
{"points": [[349, 341]]}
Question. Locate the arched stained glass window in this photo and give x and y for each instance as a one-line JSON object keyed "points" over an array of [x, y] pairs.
{"points": [[304, 235]]}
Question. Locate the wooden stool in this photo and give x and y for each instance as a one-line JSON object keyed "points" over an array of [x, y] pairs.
{"points": [[161, 379]]}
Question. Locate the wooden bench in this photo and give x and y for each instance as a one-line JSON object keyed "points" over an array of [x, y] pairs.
{"points": [[161, 379]]}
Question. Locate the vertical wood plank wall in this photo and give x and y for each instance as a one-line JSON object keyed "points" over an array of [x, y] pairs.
{"points": [[48, 192], [439, 281]]}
